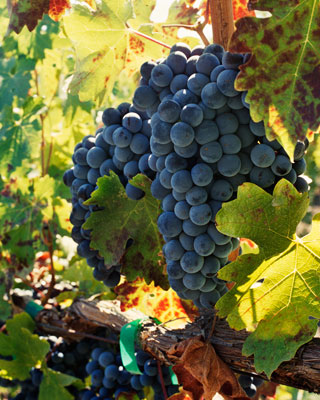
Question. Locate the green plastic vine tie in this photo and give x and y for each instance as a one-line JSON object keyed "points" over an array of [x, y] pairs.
{"points": [[128, 337], [33, 309]]}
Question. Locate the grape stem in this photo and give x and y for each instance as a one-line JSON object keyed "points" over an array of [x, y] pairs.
{"points": [[221, 12], [163, 386], [198, 27], [137, 33]]}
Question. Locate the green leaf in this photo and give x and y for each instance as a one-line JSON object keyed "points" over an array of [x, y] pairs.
{"points": [[123, 219], [282, 76], [105, 45], [54, 382], [15, 76], [27, 350], [278, 309]]}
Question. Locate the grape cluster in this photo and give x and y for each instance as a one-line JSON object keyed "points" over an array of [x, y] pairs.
{"points": [[68, 358], [109, 378], [121, 146], [250, 384], [204, 145]]}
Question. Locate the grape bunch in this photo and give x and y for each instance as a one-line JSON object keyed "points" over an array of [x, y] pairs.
{"points": [[68, 358], [204, 145], [109, 378], [121, 146], [250, 384]]}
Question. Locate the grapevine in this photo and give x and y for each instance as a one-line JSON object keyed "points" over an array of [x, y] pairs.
{"points": [[156, 238]]}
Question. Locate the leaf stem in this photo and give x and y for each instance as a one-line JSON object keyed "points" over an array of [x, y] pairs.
{"points": [[135, 32]]}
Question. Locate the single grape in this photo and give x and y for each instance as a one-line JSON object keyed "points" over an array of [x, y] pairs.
{"points": [[206, 63], [175, 270], [211, 152], [201, 174], [196, 82], [181, 209], [192, 114], [132, 122], [181, 181], [262, 177], [212, 97], [178, 82], [227, 123], [200, 215], [186, 241], [177, 61], [193, 281], [221, 190], [262, 155], [169, 225], [173, 250], [281, 165], [196, 195], [230, 144], [206, 132], [182, 134], [193, 229], [204, 245], [229, 165], [225, 82]]}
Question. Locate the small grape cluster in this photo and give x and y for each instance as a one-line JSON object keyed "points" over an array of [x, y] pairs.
{"points": [[121, 146], [68, 358], [109, 378], [250, 384], [204, 145]]}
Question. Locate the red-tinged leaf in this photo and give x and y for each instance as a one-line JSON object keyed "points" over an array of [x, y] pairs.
{"points": [[57, 8], [153, 301], [202, 372], [283, 75], [26, 13], [182, 395], [240, 9]]}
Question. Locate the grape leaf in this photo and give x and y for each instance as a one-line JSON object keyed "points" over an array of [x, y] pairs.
{"points": [[282, 76], [27, 350], [240, 9], [123, 219], [57, 8], [278, 309], [155, 302], [26, 13], [105, 45], [53, 382]]}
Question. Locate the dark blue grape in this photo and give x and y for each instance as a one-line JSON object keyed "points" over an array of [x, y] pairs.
{"points": [[262, 177], [162, 75], [178, 82], [211, 152], [227, 123], [229, 165], [133, 192], [111, 116], [196, 195], [212, 97], [197, 82], [175, 270], [181, 134], [169, 110], [232, 60], [132, 122], [281, 165], [169, 225], [221, 190], [181, 181], [201, 174], [192, 114], [206, 132], [216, 72], [262, 155], [194, 281], [184, 97], [144, 96], [200, 215], [204, 245], [68, 177]]}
